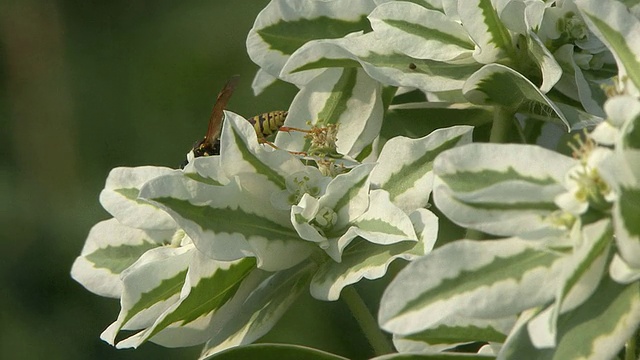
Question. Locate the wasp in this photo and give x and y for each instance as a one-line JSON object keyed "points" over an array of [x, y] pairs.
{"points": [[268, 123], [264, 124]]}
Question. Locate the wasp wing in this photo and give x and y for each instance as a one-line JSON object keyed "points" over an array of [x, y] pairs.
{"points": [[217, 114]]}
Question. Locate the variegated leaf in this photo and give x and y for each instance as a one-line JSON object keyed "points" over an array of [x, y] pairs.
{"points": [[579, 279], [585, 267], [481, 21], [574, 84], [328, 220], [427, 4], [577, 118], [284, 26], [206, 169], [499, 85], [249, 317], [109, 249], [380, 61], [630, 130], [383, 223], [364, 259], [261, 81], [595, 330], [405, 165], [549, 67], [232, 221], [612, 22], [347, 98], [273, 351], [151, 285], [209, 285], [455, 331], [120, 198], [622, 172], [241, 153], [435, 356], [470, 279], [419, 32], [499, 189]]}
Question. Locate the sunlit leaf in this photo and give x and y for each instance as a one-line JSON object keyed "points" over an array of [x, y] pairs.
{"points": [[419, 32], [405, 165], [380, 61], [274, 352], [481, 21], [249, 317], [469, 279], [500, 189], [120, 198], [109, 249], [151, 285], [283, 26], [455, 331], [597, 329], [363, 259], [346, 98], [209, 285], [612, 22]]}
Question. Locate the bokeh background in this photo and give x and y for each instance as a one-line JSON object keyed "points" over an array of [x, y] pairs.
{"points": [[89, 85]]}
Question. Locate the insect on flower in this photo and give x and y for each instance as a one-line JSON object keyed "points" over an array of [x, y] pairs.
{"points": [[264, 124]]}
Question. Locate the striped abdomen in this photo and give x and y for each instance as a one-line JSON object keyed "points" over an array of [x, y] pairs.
{"points": [[268, 123]]}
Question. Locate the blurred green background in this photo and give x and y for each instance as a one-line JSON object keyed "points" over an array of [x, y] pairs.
{"points": [[87, 86]]}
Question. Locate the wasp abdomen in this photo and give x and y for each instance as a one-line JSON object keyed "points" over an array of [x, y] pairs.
{"points": [[268, 123]]}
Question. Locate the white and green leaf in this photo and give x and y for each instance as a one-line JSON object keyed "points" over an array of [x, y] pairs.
{"points": [[380, 61], [574, 84], [500, 189], [455, 331], [348, 196], [597, 329], [109, 249], [273, 351], [209, 285], [232, 221], [206, 169], [120, 198], [612, 22], [579, 279], [475, 279], [249, 317], [347, 98], [405, 165], [499, 85], [241, 154], [283, 26], [364, 259], [150, 286], [383, 223], [481, 21], [419, 32], [328, 221], [549, 67]]}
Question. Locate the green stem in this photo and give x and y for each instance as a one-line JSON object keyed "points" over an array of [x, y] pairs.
{"points": [[502, 124], [368, 324], [630, 349]]}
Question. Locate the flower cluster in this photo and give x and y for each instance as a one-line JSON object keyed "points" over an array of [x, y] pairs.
{"points": [[536, 242]]}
